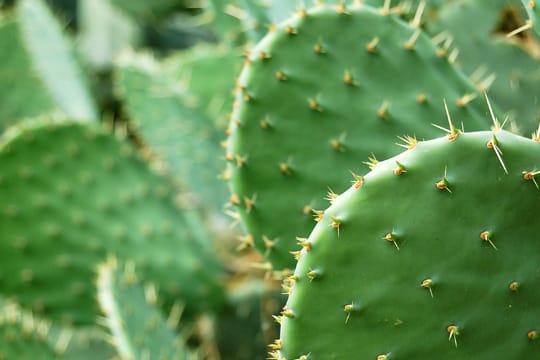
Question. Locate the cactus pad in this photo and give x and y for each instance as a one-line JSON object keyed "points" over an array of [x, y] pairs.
{"points": [[138, 328], [319, 95], [40, 62], [71, 194], [508, 67], [533, 10], [23, 336], [434, 256], [183, 127]]}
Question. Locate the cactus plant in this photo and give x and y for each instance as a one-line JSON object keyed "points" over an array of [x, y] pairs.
{"points": [[294, 132], [508, 67], [23, 336], [138, 328], [183, 128], [77, 194], [263, 16], [435, 262], [42, 65], [430, 255], [533, 11]]}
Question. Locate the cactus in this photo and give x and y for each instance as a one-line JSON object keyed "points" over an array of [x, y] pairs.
{"points": [[138, 328], [183, 127], [23, 336], [295, 132], [84, 343], [223, 19], [263, 16], [73, 194], [437, 260], [40, 62], [533, 10], [104, 32], [508, 67], [430, 254]]}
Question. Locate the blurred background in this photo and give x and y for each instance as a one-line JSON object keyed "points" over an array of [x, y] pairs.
{"points": [[158, 76]]}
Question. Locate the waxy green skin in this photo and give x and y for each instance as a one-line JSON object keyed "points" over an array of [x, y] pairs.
{"points": [[437, 237], [41, 63], [294, 105], [507, 66], [73, 194], [138, 327]]}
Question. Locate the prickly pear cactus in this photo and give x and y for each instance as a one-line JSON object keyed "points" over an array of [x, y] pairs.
{"points": [[84, 343], [326, 90], [262, 16], [72, 194], [507, 66], [40, 63], [433, 255], [138, 328], [183, 127], [23, 336], [533, 10]]}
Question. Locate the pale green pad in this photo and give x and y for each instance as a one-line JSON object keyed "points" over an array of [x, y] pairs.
{"points": [[138, 328]]}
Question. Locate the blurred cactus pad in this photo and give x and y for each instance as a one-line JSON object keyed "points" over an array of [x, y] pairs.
{"points": [[269, 179]]}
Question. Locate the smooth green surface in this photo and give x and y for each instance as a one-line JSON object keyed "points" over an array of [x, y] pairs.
{"points": [[138, 328], [71, 195], [438, 238], [299, 128], [485, 51]]}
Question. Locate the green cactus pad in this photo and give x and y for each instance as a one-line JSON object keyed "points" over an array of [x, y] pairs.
{"points": [[23, 336], [138, 328], [183, 124], [319, 95], [533, 10], [437, 261], [84, 343], [40, 63], [71, 194], [262, 15], [222, 16], [507, 66]]}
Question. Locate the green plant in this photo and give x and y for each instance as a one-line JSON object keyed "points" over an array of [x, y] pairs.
{"points": [[135, 322], [425, 262], [41, 63], [112, 239], [87, 193], [313, 104]]}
